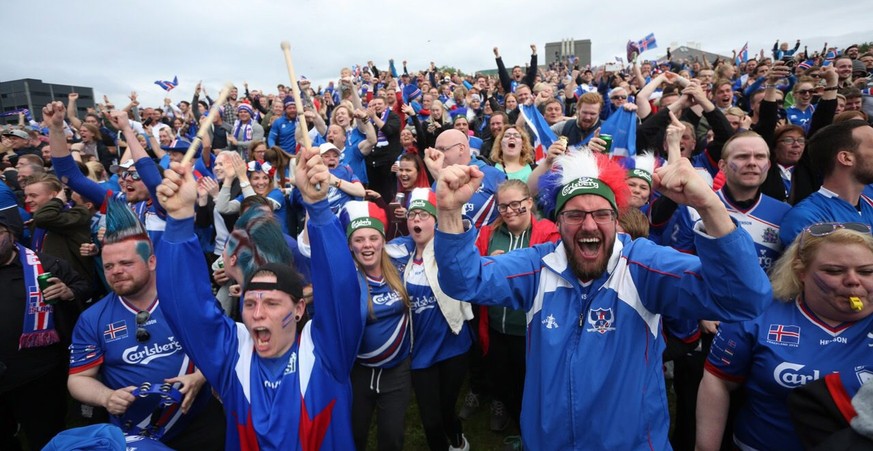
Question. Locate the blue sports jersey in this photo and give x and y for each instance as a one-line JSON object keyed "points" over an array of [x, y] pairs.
{"points": [[301, 400], [105, 336], [434, 340], [337, 197], [481, 209], [386, 340], [796, 116], [823, 206], [352, 155], [761, 221], [784, 348]]}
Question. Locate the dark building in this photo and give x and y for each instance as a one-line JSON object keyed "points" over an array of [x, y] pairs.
{"points": [[559, 51], [34, 94]]}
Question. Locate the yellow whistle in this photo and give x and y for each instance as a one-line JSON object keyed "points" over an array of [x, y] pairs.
{"points": [[856, 303]]}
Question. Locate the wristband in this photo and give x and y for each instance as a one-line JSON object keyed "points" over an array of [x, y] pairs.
{"points": [[244, 184], [831, 88]]}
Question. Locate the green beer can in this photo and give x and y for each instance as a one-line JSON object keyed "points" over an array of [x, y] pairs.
{"points": [[43, 281], [608, 139]]}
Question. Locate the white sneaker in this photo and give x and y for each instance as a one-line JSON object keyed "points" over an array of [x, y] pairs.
{"points": [[464, 446]]}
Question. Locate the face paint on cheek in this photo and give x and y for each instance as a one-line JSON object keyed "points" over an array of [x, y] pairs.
{"points": [[288, 319], [822, 285], [734, 167]]}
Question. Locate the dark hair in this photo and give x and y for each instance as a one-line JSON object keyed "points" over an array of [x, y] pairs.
{"points": [[254, 201], [831, 140]]}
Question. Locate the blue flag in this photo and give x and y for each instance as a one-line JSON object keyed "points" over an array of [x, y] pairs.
{"points": [[622, 126]]}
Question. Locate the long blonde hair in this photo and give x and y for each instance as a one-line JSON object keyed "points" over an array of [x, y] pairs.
{"points": [[786, 273], [392, 278]]}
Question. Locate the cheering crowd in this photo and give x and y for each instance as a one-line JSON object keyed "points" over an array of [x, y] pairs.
{"points": [[568, 243]]}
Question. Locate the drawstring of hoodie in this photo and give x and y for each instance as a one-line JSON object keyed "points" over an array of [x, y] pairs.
{"points": [[375, 379]]}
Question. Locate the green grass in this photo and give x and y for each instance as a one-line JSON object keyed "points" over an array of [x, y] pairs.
{"points": [[476, 429]]}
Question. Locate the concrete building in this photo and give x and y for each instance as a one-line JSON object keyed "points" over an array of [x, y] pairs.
{"points": [[34, 94], [559, 51]]}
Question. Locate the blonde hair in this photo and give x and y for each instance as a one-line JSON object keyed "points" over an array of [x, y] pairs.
{"points": [[786, 273], [96, 171], [392, 278], [525, 157]]}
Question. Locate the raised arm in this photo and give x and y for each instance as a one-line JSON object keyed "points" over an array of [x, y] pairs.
{"points": [[505, 82], [531, 75], [71, 110], [62, 162]]}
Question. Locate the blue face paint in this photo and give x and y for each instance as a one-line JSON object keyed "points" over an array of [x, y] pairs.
{"points": [[288, 319]]}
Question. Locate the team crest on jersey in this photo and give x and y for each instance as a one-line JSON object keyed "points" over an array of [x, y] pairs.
{"points": [[550, 322], [770, 235], [601, 320]]}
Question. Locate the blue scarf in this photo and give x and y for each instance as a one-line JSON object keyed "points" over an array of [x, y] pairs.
{"points": [[39, 325]]}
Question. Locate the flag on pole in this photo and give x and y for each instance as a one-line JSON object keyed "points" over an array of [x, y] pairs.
{"points": [[168, 85], [543, 136], [743, 55], [647, 43]]}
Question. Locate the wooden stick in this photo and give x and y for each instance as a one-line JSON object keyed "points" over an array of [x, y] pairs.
{"points": [[295, 92], [204, 127]]}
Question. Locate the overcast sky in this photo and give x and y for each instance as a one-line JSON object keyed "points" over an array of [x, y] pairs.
{"points": [[116, 47]]}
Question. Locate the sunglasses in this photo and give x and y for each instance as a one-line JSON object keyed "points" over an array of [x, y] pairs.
{"points": [[133, 175], [826, 228], [804, 92], [142, 334], [618, 97]]}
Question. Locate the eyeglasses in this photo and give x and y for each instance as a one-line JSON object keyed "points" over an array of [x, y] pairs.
{"points": [[423, 215], [618, 97], [514, 205], [133, 175], [446, 149], [512, 135], [574, 217], [815, 75], [804, 92], [800, 141], [142, 334]]}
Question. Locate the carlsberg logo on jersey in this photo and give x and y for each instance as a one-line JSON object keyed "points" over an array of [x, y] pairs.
{"points": [[584, 183], [135, 354]]}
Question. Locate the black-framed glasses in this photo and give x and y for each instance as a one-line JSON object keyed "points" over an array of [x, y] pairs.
{"points": [[142, 334], [789, 140], [133, 175], [514, 205], [423, 215], [573, 217], [805, 91]]}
